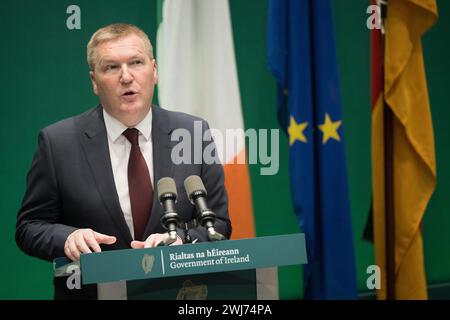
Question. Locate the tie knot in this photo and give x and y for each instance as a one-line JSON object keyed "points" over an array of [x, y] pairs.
{"points": [[132, 134]]}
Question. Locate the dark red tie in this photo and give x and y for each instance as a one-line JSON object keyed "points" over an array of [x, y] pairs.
{"points": [[139, 185]]}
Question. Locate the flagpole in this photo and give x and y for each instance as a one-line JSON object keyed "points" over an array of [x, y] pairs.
{"points": [[388, 172]]}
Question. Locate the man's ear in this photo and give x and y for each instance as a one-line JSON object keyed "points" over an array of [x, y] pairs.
{"points": [[155, 71], [94, 83]]}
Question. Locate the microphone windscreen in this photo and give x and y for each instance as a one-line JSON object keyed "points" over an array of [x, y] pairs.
{"points": [[194, 184], [166, 185]]}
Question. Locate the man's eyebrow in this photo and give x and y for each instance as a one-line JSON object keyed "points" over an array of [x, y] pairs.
{"points": [[106, 61], [138, 55], [110, 60]]}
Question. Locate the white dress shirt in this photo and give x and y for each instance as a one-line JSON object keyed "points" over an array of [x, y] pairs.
{"points": [[119, 151]]}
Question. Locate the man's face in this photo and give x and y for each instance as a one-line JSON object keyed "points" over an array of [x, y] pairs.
{"points": [[124, 78]]}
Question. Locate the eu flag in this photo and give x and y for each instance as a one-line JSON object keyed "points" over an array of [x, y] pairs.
{"points": [[302, 57]]}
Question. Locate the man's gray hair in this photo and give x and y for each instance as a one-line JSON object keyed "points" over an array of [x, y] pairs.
{"points": [[114, 32]]}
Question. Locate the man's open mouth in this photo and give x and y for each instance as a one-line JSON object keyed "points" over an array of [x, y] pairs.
{"points": [[129, 93]]}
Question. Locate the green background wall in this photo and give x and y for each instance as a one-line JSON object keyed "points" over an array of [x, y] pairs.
{"points": [[44, 78]]}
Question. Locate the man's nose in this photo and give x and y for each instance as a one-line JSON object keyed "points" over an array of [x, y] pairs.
{"points": [[126, 76]]}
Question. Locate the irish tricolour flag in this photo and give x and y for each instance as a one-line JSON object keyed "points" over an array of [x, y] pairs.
{"points": [[197, 75]]}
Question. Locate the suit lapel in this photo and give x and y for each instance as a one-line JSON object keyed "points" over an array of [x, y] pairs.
{"points": [[162, 163], [95, 145]]}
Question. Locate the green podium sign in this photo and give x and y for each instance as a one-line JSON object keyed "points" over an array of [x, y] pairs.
{"points": [[192, 270]]}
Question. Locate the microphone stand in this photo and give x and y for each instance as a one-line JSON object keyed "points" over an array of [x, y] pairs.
{"points": [[170, 221], [206, 217]]}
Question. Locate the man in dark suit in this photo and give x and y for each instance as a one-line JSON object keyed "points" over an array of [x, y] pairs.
{"points": [[92, 182]]}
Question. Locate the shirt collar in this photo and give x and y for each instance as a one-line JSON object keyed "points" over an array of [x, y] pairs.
{"points": [[115, 128]]}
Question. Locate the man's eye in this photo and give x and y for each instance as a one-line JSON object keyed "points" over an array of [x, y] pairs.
{"points": [[110, 67], [136, 62]]}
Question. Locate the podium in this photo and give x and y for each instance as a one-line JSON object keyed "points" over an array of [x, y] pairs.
{"points": [[229, 269]]}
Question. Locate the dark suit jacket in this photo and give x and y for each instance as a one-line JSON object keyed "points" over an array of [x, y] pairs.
{"points": [[71, 185]]}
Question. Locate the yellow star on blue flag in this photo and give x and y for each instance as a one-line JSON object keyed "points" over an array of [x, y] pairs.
{"points": [[295, 131], [329, 129]]}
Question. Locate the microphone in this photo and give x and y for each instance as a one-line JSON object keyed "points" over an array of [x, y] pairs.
{"points": [[167, 195], [196, 193]]}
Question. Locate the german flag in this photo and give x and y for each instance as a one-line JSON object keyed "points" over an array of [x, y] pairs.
{"points": [[404, 85]]}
